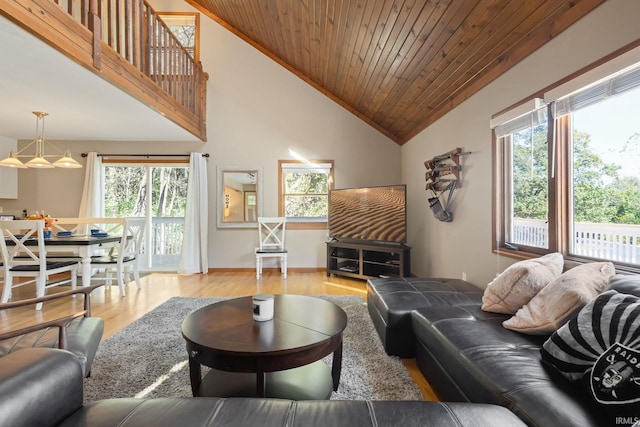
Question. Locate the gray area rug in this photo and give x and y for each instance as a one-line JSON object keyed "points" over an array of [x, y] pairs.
{"points": [[149, 359]]}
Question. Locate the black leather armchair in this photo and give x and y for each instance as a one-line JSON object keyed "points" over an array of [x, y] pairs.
{"points": [[78, 332]]}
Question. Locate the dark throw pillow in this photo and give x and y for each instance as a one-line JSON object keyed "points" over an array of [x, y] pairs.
{"points": [[601, 346]]}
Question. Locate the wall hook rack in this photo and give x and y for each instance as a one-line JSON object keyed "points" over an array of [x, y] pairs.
{"points": [[443, 177]]}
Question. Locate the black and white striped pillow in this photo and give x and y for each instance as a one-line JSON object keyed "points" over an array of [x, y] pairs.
{"points": [[602, 345]]}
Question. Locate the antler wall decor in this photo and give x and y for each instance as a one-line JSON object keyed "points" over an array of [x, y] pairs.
{"points": [[443, 177]]}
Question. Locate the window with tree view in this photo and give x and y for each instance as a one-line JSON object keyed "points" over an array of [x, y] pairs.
{"points": [[529, 182], [576, 191], [304, 190], [186, 29], [606, 179]]}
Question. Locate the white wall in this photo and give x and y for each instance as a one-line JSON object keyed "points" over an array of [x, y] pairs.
{"points": [[8, 177], [256, 112], [464, 245]]}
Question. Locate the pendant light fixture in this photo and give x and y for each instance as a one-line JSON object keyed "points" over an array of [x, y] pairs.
{"points": [[39, 159]]}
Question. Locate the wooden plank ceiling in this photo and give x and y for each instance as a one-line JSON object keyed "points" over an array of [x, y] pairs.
{"points": [[398, 65]]}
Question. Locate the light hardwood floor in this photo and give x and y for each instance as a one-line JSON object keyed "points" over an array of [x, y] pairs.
{"points": [[119, 311]]}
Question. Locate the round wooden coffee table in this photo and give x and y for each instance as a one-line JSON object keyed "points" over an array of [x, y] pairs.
{"points": [[275, 358]]}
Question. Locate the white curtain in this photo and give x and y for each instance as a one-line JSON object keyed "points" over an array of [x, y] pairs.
{"points": [[194, 256], [92, 202]]}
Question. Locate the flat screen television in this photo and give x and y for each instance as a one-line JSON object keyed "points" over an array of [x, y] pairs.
{"points": [[369, 213]]}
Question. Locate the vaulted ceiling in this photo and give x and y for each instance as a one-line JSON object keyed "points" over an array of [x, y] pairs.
{"points": [[399, 65]]}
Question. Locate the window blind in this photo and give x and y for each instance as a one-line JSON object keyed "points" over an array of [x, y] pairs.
{"points": [[307, 167], [619, 83], [530, 120], [528, 114]]}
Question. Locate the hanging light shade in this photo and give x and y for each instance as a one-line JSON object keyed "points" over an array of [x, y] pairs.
{"points": [[38, 161], [12, 161], [67, 162]]}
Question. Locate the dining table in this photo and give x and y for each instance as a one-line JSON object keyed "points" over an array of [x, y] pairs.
{"points": [[80, 245]]}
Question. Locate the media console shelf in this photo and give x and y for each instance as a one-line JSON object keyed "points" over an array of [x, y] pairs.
{"points": [[364, 260]]}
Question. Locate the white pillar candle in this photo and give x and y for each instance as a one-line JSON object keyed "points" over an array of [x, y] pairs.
{"points": [[263, 307]]}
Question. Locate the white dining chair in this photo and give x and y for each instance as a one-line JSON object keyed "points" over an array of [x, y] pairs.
{"points": [[4, 218], [123, 258], [271, 232], [85, 225], [20, 259]]}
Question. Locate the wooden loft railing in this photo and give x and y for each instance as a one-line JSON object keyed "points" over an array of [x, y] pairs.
{"points": [[125, 42]]}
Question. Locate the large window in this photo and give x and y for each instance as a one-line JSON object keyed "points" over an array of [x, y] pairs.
{"points": [[304, 192], [567, 171]]}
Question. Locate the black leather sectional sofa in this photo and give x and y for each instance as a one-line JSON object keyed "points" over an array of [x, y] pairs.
{"points": [[43, 387], [468, 356]]}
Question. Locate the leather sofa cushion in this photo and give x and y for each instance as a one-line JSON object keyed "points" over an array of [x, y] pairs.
{"points": [[491, 364], [396, 298], [626, 284], [43, 387], [233, 412], [39, 387], [83, 339], [390, 302]]}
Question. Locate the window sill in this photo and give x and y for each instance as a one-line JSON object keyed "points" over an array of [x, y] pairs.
{"points": [[570, 261], [518, 254]]}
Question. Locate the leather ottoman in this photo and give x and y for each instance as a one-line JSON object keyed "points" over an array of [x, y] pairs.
{"points": [[390, 302]]}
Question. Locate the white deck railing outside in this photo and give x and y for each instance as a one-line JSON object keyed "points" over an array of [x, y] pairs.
{"points": [[614, 242]]}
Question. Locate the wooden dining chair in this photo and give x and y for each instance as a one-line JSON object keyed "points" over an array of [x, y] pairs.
{"points": [[22, 258], [271, 232], [124, 257]]}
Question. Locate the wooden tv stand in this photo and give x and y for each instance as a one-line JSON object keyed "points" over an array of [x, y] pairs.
{"points": [[365, 260]]}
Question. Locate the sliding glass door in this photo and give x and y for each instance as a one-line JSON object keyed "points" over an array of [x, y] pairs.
{"points": [[158, 193]]}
